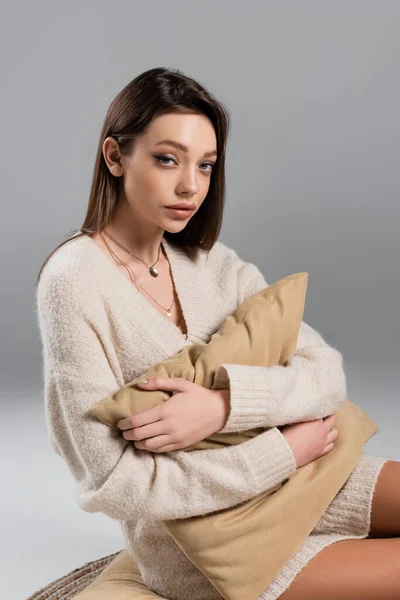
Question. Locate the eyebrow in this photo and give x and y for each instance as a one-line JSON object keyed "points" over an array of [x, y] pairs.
{"points": [[184, 148]]}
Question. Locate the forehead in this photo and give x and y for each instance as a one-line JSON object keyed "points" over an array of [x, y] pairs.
{"points": [[193, 130]]}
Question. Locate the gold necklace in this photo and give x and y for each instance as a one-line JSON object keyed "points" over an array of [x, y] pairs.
{"points": [[151, 268], [119, 261]]}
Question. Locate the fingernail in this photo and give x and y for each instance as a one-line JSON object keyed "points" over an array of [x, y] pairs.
{"points": [[141, 380]]}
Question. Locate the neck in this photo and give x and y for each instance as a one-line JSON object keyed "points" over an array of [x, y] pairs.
{"points": [[143, 240]]}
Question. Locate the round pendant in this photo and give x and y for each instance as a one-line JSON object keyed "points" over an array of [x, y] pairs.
{"points": [[153, 272], [169, 313]]}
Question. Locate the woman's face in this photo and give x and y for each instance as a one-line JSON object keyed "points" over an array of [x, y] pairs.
{"points": [[159, 174]]}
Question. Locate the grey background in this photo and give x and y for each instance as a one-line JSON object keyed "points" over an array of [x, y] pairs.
{"points": [[313, 185]]}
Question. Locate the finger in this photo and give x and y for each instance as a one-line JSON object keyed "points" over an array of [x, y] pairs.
{"points": [[162, 449], [152, 415], [169, 448], [327, 448], [332, 435], [153, 444], [171, 384], [144, 432]]}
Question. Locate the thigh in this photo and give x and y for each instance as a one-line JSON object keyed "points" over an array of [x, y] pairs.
{"points": [[385, 517], [366, 569]]}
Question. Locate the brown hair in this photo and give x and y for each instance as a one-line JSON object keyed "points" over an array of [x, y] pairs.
{"points": [[153, 93]]}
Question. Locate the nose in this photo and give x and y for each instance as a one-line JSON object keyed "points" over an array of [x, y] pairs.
{"points": [[188, 183]]}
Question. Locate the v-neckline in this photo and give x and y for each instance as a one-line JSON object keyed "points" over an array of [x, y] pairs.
{"points": [[164, 322]]}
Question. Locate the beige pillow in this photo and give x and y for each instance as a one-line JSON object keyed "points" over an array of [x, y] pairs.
{"points": [[242, 549], [263, 331]]}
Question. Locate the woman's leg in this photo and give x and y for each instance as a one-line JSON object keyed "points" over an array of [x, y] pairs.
{"points": [[385, 513], [366, 569]]}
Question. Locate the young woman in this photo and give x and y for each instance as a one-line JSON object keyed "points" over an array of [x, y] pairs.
{"points": [[146, 275]]}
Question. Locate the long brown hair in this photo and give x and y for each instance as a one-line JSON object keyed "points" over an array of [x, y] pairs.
{"points": [[153, 93]]}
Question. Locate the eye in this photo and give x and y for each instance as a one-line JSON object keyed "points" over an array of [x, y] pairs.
{"points": [[161, 158], [210, 164]]}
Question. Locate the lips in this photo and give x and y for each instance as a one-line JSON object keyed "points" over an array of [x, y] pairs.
{"points": [[179, 213], [183, 206]]}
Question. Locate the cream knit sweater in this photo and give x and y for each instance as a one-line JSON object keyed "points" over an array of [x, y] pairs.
{"points": [[99, 332]]}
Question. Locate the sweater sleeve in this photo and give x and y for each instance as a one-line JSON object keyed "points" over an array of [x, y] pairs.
{"points": [[311, 386], [114, 477]]}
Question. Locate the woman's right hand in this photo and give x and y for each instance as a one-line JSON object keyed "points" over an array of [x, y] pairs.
{"points": [[311, 439]]}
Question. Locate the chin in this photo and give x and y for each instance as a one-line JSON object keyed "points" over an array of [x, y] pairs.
{"points": [[176, 229]]}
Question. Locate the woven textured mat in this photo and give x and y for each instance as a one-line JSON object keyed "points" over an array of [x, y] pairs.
{"points": [[75, 581]]}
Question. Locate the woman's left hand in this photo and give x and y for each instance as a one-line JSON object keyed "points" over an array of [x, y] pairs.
{"points": [[190, 415]]}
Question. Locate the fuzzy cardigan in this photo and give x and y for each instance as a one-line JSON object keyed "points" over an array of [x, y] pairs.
{"points": [[99, 332]]}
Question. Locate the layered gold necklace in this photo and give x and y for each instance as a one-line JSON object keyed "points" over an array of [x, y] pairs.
{"points": [[131, 273]]}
